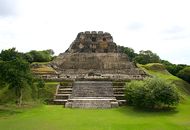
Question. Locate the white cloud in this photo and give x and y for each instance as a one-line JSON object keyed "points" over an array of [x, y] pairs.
{"points": [[7, 8], [161, 26]]}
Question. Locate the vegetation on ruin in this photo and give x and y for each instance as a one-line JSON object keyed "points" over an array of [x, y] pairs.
{"points": [[42, 69], [152, 93], [158, 70], [147, 57], [39, 56], [184, 74]]}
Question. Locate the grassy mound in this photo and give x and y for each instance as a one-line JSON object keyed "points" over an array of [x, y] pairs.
{"points": [[158, 70]]}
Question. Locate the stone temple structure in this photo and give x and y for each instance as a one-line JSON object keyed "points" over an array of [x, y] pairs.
{"points": [[93, 62], [94, 55]]}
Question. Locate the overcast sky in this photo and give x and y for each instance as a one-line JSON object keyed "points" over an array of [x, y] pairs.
{"points": [[162, 26]]}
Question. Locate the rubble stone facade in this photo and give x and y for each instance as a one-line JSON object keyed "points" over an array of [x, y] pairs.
{"points": [[94, 55]]}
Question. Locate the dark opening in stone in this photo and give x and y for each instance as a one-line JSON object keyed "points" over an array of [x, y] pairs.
{"points": [[105, 50], [93, 39], [104, 39]]}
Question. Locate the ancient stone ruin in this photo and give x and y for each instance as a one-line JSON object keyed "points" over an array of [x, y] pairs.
{"points": [[94, 55], [93, 62]]}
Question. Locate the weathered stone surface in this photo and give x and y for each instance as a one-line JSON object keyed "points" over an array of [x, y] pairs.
{"points": [[92, 94], [92, 89], [96, 65], [94, 55], [91, 42], [90, 103]]}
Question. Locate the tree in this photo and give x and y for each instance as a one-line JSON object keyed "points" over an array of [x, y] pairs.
{"points": [[173, 68], [127, 50], [40, 56], [145, 57], [184, 74], [151, 93], [130, 52], [15, 71]]}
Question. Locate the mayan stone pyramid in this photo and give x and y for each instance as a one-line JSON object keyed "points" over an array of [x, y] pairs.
{"points": [[94, 55]]}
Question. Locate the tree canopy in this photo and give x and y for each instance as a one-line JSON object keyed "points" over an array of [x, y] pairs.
{"points": [[39, 56], [145, 57], [15, 71], [129, 51], [184, 74]]}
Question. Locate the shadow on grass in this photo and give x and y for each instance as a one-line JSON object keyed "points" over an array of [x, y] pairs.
{"points": [[8, 112], [132, 111]]}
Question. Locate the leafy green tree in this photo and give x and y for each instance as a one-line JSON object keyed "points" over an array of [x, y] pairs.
{"points": [[184, 74], [40, 56], [145, 57], [15, 71], [173, 68], [129, 51], [151, 93], [28, 57]]}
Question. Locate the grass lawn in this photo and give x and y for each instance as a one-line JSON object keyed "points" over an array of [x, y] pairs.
{"points": [[49, 117]]}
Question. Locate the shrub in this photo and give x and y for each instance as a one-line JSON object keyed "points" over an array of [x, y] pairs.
{"points": [[185, 74], [151, 93], [39, 56]]}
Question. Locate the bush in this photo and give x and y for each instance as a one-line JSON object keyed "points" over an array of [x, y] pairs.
{"points": [[39, 56], [184, 74], [151, 93]]}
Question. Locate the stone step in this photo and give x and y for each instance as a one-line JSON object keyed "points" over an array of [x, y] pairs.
{"points": [[119, 88], [121, 102], [92, 89], [92, 94], [116, 93], [65, 89], [119, 96], [62, 87], [61, 96], [112, 99], [91, 103], [64, 92], [59, 101]]}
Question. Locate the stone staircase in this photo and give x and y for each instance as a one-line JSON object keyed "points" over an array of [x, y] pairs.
{"points": [[63, 92], [92, 94], [119, 92]]}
